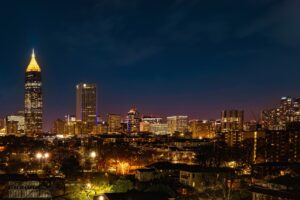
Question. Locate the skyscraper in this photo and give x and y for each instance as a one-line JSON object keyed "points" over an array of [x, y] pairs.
{"points": [[33, 111], [133, 120], [86, 105], [232, 122]]}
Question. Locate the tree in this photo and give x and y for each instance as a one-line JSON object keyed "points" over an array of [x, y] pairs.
{"points": [[122, 185], [71, 167]]}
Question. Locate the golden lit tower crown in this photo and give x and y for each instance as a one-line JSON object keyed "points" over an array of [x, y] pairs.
{"points": [[33, 65]]}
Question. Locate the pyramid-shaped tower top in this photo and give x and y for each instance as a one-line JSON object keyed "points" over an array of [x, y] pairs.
{"points": [[33, 65]]}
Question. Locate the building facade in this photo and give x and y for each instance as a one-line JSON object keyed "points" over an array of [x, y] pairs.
{"points": [[114, 123], [277, 118], [133, 120], [201, 129], [159, 129], [147, 122], [283, 145], [33, 111], [19, 119], [86, 105], [59, 127], [232, 122], [177, 124]]}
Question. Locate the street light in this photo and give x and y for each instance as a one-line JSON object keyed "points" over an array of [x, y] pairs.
{"points": [[101, 197], [89, 185], [46, 155], [41, 157], [38, 155], [93, 154]]}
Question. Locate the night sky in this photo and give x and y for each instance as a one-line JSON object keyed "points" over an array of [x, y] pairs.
{"points": [[165, 57]]}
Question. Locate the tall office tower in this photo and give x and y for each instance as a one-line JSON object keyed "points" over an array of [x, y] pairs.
{"points": [[277, 118], [133, 120], [86, 105], [177, 124], [232, 126], [33, 111], [114, 123]]}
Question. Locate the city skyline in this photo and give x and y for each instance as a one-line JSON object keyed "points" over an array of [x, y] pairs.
{"points": [[225, 64], [49, 123]]}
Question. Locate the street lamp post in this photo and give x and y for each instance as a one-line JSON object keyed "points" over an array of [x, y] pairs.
{"points": [[93, 155], [42, 157]]}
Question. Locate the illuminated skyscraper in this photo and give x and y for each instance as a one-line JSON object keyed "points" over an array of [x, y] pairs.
{"points": [[133, 120], [86, 105], [33, 111]]}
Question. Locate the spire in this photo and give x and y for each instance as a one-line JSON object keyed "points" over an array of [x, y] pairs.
{"points": [[33, 65], [33, 55]]}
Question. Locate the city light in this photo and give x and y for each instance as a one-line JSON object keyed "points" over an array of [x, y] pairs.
{"points": [[101, 197], [124, 167], [46, 155], [89, 185], [93, 154], [40, 155]]}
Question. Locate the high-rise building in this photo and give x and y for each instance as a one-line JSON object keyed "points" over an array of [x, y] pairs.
{"points": [[59, 126], [177, 124], [288, 111], [283, 145], [86, 105], [114, 123], [19, 118], [133, 120], [73, 126], [33, 111], [232, 126], [232, 120]]}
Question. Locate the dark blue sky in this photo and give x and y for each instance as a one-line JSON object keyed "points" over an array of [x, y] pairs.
{"points": [[165, 57]]}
